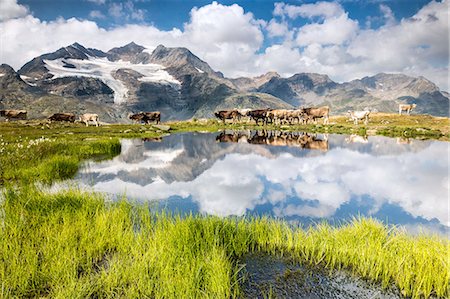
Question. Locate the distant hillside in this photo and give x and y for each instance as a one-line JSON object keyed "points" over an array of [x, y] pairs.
{"points": [[174, 81]]}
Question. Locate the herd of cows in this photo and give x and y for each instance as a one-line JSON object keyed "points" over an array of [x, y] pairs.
{"points": [[302, 115], [87, 118], [274, 116]]}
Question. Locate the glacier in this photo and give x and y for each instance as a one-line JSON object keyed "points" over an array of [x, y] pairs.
{"points": [[103, 69]]}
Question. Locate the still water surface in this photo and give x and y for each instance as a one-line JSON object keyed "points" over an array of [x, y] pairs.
{"points": [[298, 177]]}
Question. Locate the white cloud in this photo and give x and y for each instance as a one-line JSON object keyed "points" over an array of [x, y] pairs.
{"points": [[10, 9], [126, 10], [98, 2], [225, 36], [319, 9], [275, 28], [116, 10], [96, 14], [388, 15], [334, 30]]}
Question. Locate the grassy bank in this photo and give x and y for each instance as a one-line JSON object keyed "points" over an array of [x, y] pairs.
{"points": [[76, 245], [35, 151]]}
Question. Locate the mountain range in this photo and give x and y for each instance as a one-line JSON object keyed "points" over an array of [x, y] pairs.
{"points": [[174, 81]]}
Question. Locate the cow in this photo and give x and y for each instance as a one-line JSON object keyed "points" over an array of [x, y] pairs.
{"points": [[295, 114], [13, 114], [405, 107], [70, 117], [89, 117], [359, 115], [312, 142], [227, 114], [243, 113], [315, 113], [259, 114], [281, 115], [146, 117]]}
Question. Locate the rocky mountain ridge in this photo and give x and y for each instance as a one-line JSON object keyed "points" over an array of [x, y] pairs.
{"points": [[179, 84]]}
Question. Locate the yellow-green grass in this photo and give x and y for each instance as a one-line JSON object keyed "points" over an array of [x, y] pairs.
{"points": [[32, 152], [78, 245]]}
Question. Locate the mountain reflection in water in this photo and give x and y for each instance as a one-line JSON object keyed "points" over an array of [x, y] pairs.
{"points": [[296, 176]]}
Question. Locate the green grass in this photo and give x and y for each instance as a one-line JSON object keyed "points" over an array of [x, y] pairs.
{"points": [[49, 159], [77, 245], [39, 152]]}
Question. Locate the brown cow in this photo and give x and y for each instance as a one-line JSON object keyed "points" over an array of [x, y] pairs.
{"points": [[70, 117], [314, 113], [88, 117], [278, 115], [227, 114], [146, 117], [311, 142], [13, 114], [258, 114]]}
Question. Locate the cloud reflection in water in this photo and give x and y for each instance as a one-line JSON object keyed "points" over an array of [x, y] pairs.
{"points": [[235, 178]]}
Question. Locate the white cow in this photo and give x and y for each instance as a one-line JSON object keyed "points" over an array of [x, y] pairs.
{"points": [[359, 115], [243, 113], [88, 117], [405, 107], [354, 138]]}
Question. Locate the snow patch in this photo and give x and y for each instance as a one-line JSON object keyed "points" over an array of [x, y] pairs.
{"points": [[27, 79], [199, 70], [1, 75], [103, 69], [149, 49]]}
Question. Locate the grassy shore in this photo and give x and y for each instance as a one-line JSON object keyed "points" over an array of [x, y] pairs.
{"points": [[385, 124], [38, 152], [77, 245]]}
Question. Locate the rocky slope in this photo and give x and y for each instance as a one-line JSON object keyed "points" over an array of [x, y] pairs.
{"points": [[174, 81], [382, 92]]}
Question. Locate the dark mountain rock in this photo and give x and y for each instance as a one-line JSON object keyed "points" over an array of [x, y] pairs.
{"points": [[130, 52], [181, 60], [293, 89], [79, 87], [252, 84]]}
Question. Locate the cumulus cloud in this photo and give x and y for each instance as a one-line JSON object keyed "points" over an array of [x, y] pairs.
{"points": [[334, 30], [275, 28], [319, 9], [225, 36], [10, 9]]}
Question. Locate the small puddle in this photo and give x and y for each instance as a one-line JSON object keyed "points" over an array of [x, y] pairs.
{"points": [[276, 277]]}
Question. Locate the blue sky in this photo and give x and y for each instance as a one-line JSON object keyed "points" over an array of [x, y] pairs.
{"points": [[167, 14], [345, 39]]}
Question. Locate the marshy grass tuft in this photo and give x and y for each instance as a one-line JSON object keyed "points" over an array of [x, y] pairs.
{"points": [[74, 244]]}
